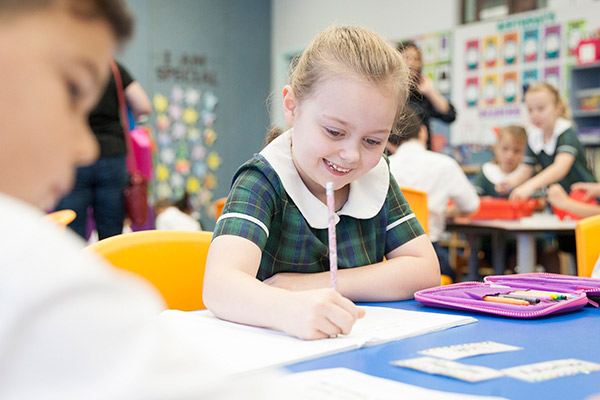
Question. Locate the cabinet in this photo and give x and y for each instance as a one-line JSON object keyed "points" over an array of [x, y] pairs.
{"points": [[585, 102]]}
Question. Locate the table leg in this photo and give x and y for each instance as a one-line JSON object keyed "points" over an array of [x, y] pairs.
{"points": [[526, 252], [474, 247], [498, 252]]}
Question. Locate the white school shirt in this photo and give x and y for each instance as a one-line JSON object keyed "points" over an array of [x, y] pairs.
{"points": [[439, 176], [73, 327], [174, 219]]}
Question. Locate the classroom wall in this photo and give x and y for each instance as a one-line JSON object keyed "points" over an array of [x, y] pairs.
{"points": [[295, 23], [215, 47]]}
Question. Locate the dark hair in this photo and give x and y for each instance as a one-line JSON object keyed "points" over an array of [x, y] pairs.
{"points": [[114, 12], [409, 44], [407, 128]]}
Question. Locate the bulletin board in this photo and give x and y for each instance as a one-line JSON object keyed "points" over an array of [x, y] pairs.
{"points": [[494, 61]]}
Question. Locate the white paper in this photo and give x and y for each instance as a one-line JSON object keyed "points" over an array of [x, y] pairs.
{"points": [[346, 384], [248, 348]]}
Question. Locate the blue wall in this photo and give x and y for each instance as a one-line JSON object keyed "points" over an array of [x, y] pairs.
{"points": [[232, 38]]}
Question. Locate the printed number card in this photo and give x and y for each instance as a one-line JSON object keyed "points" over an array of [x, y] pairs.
{"points": [[457, 351], [551, 369], [430, 365]]}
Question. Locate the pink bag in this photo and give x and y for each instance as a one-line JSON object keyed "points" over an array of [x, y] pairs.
{"points": [[141, 159]]}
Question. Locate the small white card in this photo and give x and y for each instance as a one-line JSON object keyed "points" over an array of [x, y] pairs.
{"points": [[457, 351], [551, 369], [430, 365]]}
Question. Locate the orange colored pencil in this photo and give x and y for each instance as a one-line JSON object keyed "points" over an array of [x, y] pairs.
{"points": [[506, 300]]}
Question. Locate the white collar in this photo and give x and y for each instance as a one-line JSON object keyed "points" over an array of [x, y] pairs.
{"points": [[535, 137], [494, 174], [367, 193]]}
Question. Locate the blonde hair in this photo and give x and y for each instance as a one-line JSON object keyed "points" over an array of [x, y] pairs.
{"points": [[517, 132], [558, 101], [353, 52]]}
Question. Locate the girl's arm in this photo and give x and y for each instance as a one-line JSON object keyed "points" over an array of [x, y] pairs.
{"points": [[591, 189], [558, 197], [232, 292], [551, 174], [524, 172], [409, 268]]}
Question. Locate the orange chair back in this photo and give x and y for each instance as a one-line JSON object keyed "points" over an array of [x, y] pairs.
{"points": [[172, 261], [587, 238], [61, 217], [418, 204], [219, 204]]}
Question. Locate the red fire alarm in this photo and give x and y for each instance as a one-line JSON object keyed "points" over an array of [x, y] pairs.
{"points": [[588, 51]]}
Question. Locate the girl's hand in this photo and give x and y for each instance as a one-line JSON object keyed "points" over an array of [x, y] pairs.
{"points": [[318, 314], [521, 192], [502, 188], [557, 196], [426, 85], [591, 189]]}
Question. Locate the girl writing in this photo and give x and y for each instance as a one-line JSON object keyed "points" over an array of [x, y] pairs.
{"points": [[268, 262], [552, 142]]}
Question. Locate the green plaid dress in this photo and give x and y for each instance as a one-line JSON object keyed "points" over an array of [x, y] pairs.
{"points": [[258, 208], [567, 142]]}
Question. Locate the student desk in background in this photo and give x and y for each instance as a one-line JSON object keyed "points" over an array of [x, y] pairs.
{"points": [[524, 230], [555, 337]]}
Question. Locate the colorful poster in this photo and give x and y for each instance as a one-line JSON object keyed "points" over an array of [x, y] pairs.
{"points": [[489, 88], [445, 47], [472, 92], [552, 76], [529, 76], [443, 78], [429, 49], [531, 43], [510, 48], [490, 51], [472, 54], [509, 87], [552, 42], [575, 32]]}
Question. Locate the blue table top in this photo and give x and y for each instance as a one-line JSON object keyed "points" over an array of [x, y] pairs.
{"points": [[555, 337]]}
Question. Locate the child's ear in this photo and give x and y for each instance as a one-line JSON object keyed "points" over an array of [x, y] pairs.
{"points": [[289, 104]]}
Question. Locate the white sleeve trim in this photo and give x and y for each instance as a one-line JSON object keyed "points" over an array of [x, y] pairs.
{"points": [[247, 218], [400, 221]]}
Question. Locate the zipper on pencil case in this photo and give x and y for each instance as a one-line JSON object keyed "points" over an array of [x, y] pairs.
{"points": [[587, 290]]}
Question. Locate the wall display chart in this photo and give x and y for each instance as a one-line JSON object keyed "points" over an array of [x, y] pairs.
{"points": [[185, 108], [494, 61]]}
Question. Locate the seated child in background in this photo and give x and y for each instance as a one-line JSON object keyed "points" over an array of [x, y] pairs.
{"points": [[175, 216], [436, 174], [552, 143], [345, 93], [508, 153]]}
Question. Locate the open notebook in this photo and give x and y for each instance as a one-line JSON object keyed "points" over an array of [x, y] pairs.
{"points": [[248, 348]]}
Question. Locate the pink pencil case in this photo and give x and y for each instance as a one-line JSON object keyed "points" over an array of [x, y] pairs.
{"points": [[469, 295]]}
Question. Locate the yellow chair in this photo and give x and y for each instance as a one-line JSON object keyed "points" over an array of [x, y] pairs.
{"points": [[61, 217], [587, 238], [218, 204], [173, 261], [417, 200], [418, 203]]}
